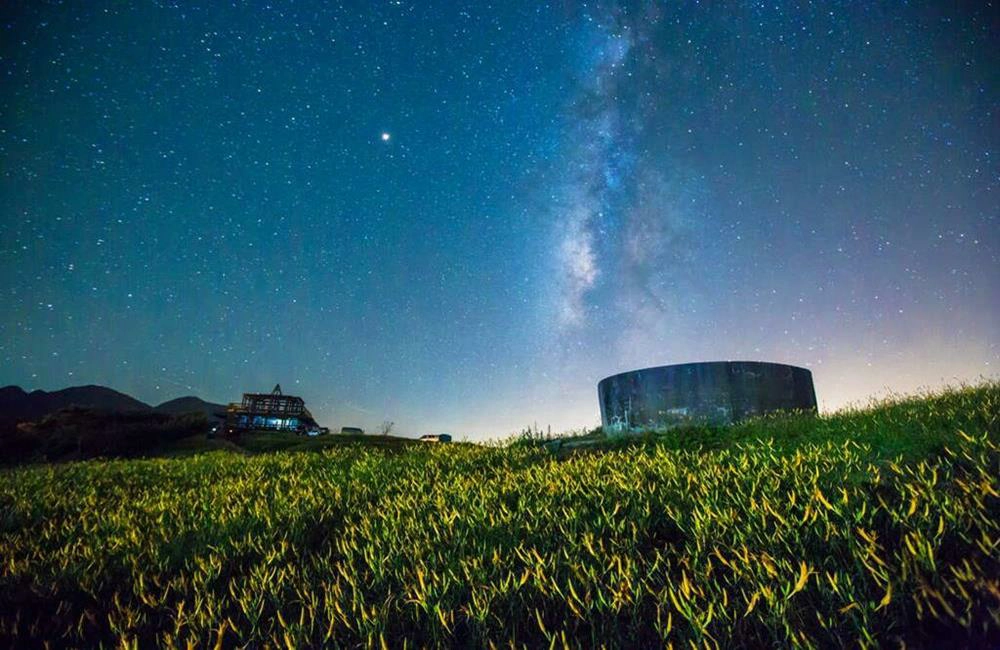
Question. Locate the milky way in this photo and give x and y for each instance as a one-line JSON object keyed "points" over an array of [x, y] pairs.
{"points": [[623, 220]]}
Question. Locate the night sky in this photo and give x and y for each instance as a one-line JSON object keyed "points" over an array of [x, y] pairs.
{"points": [[461, 216]]}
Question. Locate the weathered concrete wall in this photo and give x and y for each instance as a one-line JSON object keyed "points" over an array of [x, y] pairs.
{"points": [[717, 392]]}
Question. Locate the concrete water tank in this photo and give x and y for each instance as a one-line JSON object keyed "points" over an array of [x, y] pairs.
{"points": [[715, 392]]}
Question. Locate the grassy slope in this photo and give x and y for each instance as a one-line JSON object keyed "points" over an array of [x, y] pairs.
{"points": [[273, 441], [869, 527], [912, 427]]}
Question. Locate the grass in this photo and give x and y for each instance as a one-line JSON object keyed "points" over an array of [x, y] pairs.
{"points": [[912, 427], [263, 442], [270, 441], [872, 527]]}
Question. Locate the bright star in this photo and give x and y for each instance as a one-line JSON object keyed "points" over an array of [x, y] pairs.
{"points": [[385, 136]]}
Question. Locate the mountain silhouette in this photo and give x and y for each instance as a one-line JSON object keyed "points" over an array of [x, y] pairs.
{"points": [[192, 404], [17, 405]]}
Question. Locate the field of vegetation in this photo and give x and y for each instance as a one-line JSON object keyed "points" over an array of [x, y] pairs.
{"points": [[871, 527]]}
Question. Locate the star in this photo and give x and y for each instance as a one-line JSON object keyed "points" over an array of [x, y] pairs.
{"points": [[385, 136]]}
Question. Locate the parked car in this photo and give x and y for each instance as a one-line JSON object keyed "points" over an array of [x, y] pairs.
{"points": [[436, 437], [352, 431]]}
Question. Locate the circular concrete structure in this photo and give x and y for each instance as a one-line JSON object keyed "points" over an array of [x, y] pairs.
{"points": [[715, 392]]}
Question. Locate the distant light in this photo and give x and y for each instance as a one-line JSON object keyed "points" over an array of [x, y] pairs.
{"points": [[385, 136]]}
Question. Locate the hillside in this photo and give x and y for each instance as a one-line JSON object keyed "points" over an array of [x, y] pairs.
{"points": [[911, 427], [265, 442], [182, 429], [17, 404], [874, 527], [192, 404], [82, 421]]}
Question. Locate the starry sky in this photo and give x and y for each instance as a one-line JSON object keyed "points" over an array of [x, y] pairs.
{"points": [[460, 216]]}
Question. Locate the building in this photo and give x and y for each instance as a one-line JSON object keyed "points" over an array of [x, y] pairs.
{"points": [[436, 437], [272, 411], [718, 392]]}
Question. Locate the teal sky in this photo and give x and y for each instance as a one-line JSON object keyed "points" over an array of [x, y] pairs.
{"points": [[197, 198]]}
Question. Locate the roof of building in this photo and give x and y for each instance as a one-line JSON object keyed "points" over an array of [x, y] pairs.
{"points": [[273, 404]]}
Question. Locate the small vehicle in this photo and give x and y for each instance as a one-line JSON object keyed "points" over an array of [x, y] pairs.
{"points": [[436, 437]]}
